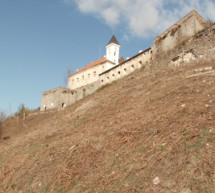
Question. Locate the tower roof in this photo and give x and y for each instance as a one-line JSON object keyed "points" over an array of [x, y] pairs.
{"points": [[113, 40]]}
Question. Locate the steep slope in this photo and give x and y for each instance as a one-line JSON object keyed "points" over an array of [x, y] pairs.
{"points": [[152, 131]]}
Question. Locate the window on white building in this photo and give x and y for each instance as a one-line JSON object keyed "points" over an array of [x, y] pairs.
{"points": [[94, 73], [88, 75]]}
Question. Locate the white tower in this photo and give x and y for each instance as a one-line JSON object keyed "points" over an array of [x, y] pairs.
{"points": [[112, 50]]}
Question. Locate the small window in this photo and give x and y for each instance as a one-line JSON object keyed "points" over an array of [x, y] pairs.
{"points": [[83, 77], [132, 66], [88, 75], [77, 79], [102, 80], [113, 75], [119, 72], [125, 69], [94, 73]]}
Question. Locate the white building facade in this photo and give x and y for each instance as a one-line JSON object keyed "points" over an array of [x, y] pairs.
{"points": [[90, 73]]}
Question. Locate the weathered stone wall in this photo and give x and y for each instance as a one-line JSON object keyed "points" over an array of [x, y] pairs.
{"points": [[86, 90], [179, 32], [62, 97], [127, 67], [56, 98], [200, 47]]}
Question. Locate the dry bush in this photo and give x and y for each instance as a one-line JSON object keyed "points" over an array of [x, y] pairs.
{"points": [[2, 119], [209, 23]]}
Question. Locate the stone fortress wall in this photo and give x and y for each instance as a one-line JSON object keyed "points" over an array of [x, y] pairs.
{"points": [[190, 26], [125, 68], [185, 28]]}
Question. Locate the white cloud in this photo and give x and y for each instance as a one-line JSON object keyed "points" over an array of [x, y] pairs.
{"points": [[143, 18]]}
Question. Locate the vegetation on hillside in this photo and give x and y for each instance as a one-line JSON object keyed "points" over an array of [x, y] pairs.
{"points": [[152, 131]]}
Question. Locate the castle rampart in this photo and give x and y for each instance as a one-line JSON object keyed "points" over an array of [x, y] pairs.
{"points": [[96, 75]]}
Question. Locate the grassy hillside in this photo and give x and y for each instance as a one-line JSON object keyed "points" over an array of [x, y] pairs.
{"points": [[152, 131]]}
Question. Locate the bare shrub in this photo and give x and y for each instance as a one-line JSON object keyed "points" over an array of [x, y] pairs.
{"points": [[210, 23], [23, 111], [2, 119]]}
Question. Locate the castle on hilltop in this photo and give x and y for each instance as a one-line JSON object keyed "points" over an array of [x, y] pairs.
{"points": [[110, 68]]}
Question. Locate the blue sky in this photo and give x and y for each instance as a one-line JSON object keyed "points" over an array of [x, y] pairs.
{"points": [[41, 39]]}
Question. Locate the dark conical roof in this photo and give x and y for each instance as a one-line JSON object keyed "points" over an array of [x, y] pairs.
{"points": [[113, 40]]}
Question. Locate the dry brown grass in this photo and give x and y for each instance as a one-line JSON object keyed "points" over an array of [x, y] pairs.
{"points": [[150, 124]]}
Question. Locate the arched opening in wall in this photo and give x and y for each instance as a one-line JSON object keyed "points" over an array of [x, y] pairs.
{"points": [[140, 63], [63, 105], [102, 80], [84, 92], [119, 73], [132, 67], [113, 75]]}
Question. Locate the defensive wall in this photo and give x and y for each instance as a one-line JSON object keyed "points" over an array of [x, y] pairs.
{"points": [[185, 28], [56, 98], [190, 27], [125, 68], [62, 97]]}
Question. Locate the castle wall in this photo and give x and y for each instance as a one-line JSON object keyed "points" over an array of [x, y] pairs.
{"points": [[86, 82], [86, 90], [62, 97], [179, 32], [56, 98], [127, 67], [87, 76]]}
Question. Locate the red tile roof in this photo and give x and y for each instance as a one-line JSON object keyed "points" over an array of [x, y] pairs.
{"points": [[100, 61]]}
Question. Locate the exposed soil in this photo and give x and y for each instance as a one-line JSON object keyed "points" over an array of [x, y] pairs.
{"points": [[154, 123]]}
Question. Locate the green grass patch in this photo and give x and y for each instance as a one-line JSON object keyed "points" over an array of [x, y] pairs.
{"points": [[35, 148], [78, 122]]}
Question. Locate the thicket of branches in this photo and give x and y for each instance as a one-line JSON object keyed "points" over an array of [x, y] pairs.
{"points": [[2, 119]]}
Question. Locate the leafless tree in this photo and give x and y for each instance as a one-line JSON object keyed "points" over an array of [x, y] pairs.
{"points": [[2, 119], [69, 71]]}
